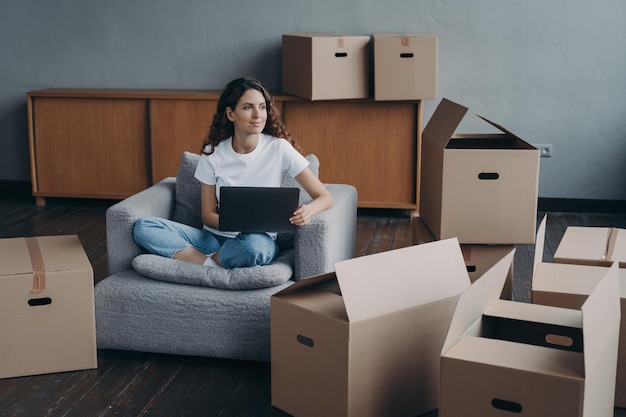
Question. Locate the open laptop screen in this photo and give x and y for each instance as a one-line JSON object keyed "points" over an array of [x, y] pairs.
{"points": [[257, 209]]}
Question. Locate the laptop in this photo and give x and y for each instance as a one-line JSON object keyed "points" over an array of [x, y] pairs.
{"points": [[257, 209]]}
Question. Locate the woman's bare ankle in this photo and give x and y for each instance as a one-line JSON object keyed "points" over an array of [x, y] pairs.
{"points": [[190, 254]]}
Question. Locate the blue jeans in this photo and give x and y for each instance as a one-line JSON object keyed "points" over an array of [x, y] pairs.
{"points": [[166, 237]]}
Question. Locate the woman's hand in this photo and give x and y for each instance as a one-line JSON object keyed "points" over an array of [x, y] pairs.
{"points": [[301, 216], [322, 200]]}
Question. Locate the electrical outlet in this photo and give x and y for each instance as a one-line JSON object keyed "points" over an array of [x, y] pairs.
{"points": [[545, 151]]}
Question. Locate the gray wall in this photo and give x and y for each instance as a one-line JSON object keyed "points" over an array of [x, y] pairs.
{"points": [[553, 72]]}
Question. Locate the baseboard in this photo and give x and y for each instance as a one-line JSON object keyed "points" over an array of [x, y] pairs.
{"points": [[16, 189], [569, 205]]}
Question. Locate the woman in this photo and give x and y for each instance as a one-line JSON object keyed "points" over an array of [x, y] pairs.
{"points": [[247, 145]]}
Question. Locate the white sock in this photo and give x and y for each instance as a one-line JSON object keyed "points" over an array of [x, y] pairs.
{"points": [[210, 262]]}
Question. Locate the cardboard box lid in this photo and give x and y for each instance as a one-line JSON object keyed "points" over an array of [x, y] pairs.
{"points": [[45, 253], [398, 35], [447, 118], [395, 280], [593, 244], [477, 299]]}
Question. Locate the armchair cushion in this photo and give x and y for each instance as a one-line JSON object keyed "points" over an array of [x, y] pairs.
{"points": [[180, 272]]}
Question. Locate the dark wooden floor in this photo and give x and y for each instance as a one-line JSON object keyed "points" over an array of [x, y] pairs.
{"points": [[134, 384]]}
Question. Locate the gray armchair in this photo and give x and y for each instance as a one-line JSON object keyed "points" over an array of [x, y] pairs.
{"points": [[138, 313]]}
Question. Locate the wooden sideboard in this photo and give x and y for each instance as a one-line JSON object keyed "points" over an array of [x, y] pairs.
{"points": [[112, 143]]}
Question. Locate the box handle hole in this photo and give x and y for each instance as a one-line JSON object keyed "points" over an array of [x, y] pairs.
{"points": [[470, 268], [505, 405], [406, 55], [341, 54], [306, 341], [559, 340], [44, 301], [488, 176]]}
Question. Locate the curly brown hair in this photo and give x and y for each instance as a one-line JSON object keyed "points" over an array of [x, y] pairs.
{"points": [[222, 128]]}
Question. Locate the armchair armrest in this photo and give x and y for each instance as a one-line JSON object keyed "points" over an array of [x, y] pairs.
{"points": [[329, 237], [157, 200]]}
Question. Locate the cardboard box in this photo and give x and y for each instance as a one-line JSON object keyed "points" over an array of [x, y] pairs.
{"points": [[507, 358], [478, 258], [326, 67], [405, 66], [47, 319], [580, 252], [480, 188], [365, 340]]}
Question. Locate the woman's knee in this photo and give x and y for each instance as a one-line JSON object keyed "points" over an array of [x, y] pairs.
{"points": [[249, 249]]}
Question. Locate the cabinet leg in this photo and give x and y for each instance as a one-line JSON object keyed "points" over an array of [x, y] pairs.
{"points": [[40, 201]]}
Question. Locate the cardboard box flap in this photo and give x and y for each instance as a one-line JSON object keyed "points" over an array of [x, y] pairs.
{"points": [[444, 121], [501, 128], [539, 242], [387, 282], [601, 317], [477, 299], [569, 278], [589, 243], [307, 283], [617, 245]]}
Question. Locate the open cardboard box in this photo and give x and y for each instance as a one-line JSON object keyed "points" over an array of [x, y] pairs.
{"points": [[405, 66], [366, 339], [319, 66], [504, 357], [576, 271], [478, 258], [480, 188], [47, 319]]}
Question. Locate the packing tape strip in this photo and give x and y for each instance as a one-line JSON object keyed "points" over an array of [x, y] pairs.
{"points": [[340, 43], [39, 271], [405, 41]]}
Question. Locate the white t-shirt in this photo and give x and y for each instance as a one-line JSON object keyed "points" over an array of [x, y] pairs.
{"points": [[263, 167]]}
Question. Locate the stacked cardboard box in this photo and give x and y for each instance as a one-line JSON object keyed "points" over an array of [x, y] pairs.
{"points": [[47, 319], [405, 66], [580, 258], [331, 67]]}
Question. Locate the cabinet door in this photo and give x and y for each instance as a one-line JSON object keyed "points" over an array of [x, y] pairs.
{"points": [[177, 126], [83, 147], [371, 145]]}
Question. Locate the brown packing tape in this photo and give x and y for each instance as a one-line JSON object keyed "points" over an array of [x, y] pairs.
{"points": [[405, 41], [339, 42], [39, 271]]}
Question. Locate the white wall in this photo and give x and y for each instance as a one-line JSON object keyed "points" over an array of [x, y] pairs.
{"points": [[553, 72]]}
